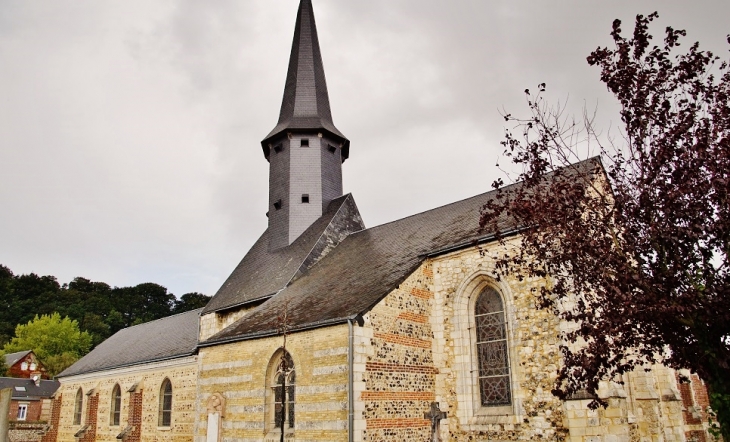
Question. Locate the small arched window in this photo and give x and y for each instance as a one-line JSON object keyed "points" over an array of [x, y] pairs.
{"points": [[116, 408], [492, 349], [281, 397], [78, 404], [165, 416]]}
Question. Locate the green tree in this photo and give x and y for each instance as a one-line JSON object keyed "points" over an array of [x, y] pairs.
{"points": [[190, 301], [3, 366], [7, 323], [54, 340]]}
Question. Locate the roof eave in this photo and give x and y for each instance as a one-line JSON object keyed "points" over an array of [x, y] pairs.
{"points": [[131, 364], [275, 135], [274, 332]]}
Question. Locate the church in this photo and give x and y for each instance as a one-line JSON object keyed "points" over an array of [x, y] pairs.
{"points": [[331, 331]]}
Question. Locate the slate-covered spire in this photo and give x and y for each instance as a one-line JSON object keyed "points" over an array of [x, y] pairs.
{"points": [[305, 150], [306, 105]]}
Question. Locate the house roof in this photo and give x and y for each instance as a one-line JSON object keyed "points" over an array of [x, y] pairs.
{"points": [[27, 389], [263, 273], [306, 104], [167, 338], [12, 358], [369, 264]]}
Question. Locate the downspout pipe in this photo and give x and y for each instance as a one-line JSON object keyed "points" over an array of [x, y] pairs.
{"points": [[350, 381], [350, 375]]}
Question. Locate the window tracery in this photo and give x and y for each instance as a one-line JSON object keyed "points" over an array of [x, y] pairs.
{"points": [[281, 381], [492, 349]]}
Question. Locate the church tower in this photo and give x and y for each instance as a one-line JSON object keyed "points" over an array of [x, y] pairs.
{"points": [[305, 150]]}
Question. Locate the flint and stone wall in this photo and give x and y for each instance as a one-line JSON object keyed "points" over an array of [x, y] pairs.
{"points": [[417, 346], [144, 416], [26, 431]]}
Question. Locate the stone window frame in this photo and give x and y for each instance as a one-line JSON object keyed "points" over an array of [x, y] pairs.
{"points": [[269, 397], [164, 417], [115, 407], [470, 412], [78, 406]]}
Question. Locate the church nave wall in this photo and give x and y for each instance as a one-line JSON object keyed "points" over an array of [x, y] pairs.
{"points": [[241, 373]]}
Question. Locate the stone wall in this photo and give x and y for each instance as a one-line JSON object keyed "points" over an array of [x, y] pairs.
{"points": [[212, 323], [26, 431], [417, 346], [238, 371], [533, 355], [397, 378], [140, 406]]}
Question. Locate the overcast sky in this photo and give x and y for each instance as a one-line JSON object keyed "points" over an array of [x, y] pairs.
{"points": [[130, 130]]}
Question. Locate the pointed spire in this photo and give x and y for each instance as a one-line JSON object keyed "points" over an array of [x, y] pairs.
{"points": [[306, 104]]}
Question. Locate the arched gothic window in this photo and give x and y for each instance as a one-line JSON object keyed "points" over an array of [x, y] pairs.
{"points": [[116, 406], [165, 417], [281, 380], [492, 349], [78, 404]]}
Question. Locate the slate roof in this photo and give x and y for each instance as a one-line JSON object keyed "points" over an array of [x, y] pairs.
{"points": [[306, 104], [368, 265], [166, 338], [12, 358], [26, 389], [263, 273]]}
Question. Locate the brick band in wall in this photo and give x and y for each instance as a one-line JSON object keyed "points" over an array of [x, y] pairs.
{"points": [[421, 293], [403, 340], [408, 316]]}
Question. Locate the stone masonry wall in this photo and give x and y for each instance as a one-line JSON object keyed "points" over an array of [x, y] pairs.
{"points": [[238, 371], [648, 407], [398, 378], [212, 323], [26, 431], [146, 397], [532, 339]]}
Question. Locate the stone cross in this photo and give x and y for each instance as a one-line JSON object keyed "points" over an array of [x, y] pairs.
{"points": [[435, 415]]}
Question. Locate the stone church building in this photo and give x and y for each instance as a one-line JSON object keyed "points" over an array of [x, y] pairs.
{"points": [[331, 331]]}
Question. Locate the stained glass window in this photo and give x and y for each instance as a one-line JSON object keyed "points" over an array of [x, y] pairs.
{"points": [[493, 359], [284, 380]]}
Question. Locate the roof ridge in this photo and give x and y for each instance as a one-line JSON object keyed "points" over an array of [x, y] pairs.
{"points": [[477, 196], [319, 238], [314, 244], [163, 318]]}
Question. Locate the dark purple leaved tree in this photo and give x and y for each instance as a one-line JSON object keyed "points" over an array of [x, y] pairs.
{"points": [[636, 245]]}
